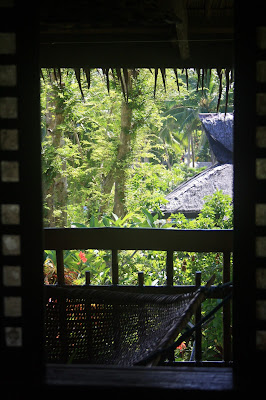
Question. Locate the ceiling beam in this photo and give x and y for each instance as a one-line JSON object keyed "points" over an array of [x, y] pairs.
{"points": [[203, 54]]}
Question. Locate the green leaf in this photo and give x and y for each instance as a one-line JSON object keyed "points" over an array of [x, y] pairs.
{"points": [[115, 216], [128, 216], [106, 221], [92, 222], [78, 225], [149, 217]]}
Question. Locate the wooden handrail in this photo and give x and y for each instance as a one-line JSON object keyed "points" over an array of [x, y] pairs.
{"points": [[169, 240], [106, 238]]}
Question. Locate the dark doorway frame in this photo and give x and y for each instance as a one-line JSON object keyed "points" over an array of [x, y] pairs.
{"points": [[28, 360]]}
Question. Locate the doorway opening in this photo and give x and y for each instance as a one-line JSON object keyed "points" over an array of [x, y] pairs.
{"points": [[115, 145]]}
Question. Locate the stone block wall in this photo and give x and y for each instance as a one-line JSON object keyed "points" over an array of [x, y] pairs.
{"points": [[20, 188]]}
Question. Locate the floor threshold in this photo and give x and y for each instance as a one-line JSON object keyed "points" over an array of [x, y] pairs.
{"points": [[102, 376]]}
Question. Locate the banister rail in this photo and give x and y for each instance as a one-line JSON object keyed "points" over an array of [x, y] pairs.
{"points": [[169, 240], [106, 238]]}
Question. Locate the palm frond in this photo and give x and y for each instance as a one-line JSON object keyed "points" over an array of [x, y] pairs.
{"points": [[163, 73], [126, 80], [176, 78], [119, 75], [77, 74], [205, 81], [220, 76], [88, 76]]}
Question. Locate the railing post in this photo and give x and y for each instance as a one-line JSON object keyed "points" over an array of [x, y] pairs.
{"points": [[226, 310], [141, 278], [115, 267], [89, 323], [169, 267], [198, 336], [60, 267], [88, 277], [62, 304], [169, 282]]}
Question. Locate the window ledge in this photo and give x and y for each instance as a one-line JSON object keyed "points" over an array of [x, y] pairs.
{"points": [[113, 377]]}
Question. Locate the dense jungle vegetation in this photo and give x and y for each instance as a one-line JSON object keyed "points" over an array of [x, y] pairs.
{"points": [[104, 153], [110, 156]]}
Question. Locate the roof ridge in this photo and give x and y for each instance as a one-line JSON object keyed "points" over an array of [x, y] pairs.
{"points": [[195, 177]]}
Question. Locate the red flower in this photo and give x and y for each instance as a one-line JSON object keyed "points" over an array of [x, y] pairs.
{"points": [[82, 256], [182, 346]]}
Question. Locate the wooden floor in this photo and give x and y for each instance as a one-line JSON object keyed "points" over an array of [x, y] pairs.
{"points": [[177, 378]]}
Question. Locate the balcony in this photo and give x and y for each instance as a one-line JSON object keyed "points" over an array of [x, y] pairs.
{"points": [[167, 240]]}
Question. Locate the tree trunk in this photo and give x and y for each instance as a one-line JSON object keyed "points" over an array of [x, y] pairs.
{"points": [[167, 155], [117, 174], [122, 160], [55, 189]]}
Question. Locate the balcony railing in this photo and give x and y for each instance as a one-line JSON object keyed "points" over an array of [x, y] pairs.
{"points": [[168, 240]]}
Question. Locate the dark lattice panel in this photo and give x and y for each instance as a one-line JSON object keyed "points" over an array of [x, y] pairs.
{"points": [[101, 327]]}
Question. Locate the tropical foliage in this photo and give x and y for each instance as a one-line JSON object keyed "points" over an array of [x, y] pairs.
{"points": [[110, 157], [102, 154]]}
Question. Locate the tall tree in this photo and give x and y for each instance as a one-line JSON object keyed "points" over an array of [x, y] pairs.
{"points": [[184, 111], [55, 179], [122, 158], [94, 143], [117, 174]]}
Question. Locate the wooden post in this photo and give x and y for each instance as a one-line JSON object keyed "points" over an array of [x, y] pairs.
{"points": [[62, 305], [198, 336], [114, 267], [141, 278], [60, 267], [88, 277], [88, 325], [169, 282], [226, 310], [169, 267]]}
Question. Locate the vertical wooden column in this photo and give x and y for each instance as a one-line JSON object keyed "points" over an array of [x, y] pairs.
{"points": [[245, 192], [62, 304], [169, 267], [141, 278], [260, 206], [88, 278], [114, 271], [60, 267], [198, 336], [226, 311], [169, 282], [89, 319], [21, 254]]}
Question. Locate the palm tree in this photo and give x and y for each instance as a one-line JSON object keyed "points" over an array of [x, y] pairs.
{"points": [[181, 116]]}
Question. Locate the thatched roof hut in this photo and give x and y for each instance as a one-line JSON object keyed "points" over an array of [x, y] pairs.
{"points": [[219, 131], [188, 198]]}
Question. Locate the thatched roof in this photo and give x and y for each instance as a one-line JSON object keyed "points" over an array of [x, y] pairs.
{"points": [[219, 131], [188, 197], [130, 33]]}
